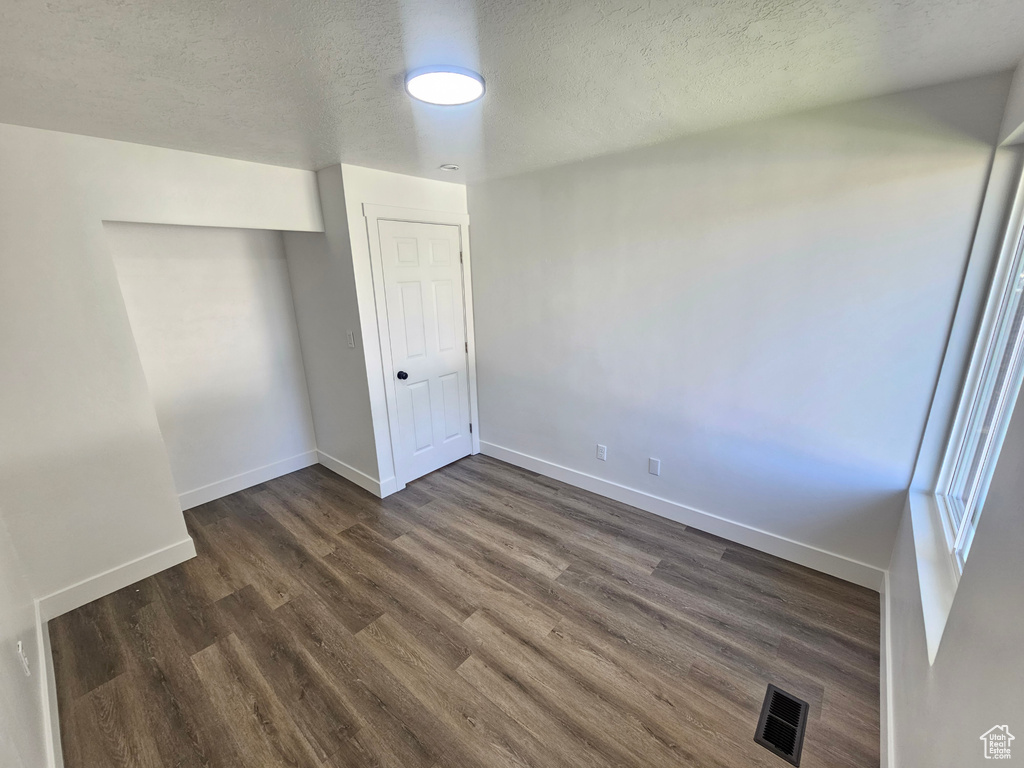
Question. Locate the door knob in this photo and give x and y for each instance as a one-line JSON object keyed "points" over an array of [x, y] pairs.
{"points": [[403, 375]]}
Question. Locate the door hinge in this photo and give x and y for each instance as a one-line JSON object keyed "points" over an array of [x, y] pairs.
{"points": [[467, 347], [460, 257], [471, 427]]}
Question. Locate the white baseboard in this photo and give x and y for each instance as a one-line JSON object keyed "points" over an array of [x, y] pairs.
{"points": [[389, 486], [363, 480], [69, 598], [888, 734], [230, 485], [95, 587], [803, 554], [48, 694]]}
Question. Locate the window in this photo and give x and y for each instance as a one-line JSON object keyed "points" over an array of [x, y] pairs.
{"points": [[990, 392]]}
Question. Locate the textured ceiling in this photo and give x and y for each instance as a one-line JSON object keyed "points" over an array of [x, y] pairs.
{"points": [[307, 83]]}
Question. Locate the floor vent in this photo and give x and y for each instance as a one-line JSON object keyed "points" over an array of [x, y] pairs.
{"points": [[781, 726]]}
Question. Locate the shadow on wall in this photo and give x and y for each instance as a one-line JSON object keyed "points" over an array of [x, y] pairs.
{"points": [[958, 110], [796, 493], [763, 308], [214, 324], [978, 664], [114, 473], [320, 269], [203, 452], [809, 157]]}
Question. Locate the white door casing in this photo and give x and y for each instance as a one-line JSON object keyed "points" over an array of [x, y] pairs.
{"points": [[425, 325]]}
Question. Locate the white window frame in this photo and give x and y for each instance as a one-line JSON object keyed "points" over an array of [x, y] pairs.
{"points": [[956, 481]]}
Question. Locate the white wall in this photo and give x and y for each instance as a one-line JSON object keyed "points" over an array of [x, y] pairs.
{"points": [[762, 308], [977, 680], [85, 481], [323, 284], [366, 185], [21, 730], [1012, 131], [212, 316], [85, 485], [333, 286], [991, 237]]}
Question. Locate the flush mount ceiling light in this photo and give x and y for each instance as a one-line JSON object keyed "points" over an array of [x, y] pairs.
{"points": [[446, 86], [449, 167]]}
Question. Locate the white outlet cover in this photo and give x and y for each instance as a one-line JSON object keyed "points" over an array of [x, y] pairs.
{"points": [[24, 659], [654, 466], [602, 452]]}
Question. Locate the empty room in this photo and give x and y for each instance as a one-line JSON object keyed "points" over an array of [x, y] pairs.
{"points": [[472, 384]]}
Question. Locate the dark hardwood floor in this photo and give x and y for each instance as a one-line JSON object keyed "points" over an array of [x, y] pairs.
{"points": [[485, 616]]}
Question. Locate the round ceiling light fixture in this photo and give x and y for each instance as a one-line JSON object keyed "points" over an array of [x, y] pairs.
{"points": [[449, 167], [446, 86]]}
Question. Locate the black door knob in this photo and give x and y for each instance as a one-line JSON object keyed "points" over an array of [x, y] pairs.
{"points": [[403, 375]]}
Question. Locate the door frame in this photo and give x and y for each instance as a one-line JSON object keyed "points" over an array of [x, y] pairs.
{"points": [[374, 214]]}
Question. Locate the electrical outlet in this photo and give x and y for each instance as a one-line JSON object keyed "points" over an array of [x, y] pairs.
{"points": [[602, 452], [654, 466], [351, 340], [24, 659]]}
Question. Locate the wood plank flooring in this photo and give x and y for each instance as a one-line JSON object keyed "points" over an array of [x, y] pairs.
{"points": [[485, 616]]}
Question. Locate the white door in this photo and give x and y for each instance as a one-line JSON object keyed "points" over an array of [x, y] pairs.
{"points": [[426, 324]]}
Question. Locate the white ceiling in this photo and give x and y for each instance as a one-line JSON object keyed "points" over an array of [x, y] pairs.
{"points": [[307, 83]]}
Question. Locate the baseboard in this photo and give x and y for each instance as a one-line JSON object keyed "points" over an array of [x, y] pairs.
{"points": [[888, 734], [350, 473], [69, 598], [95, 587], [48, 694], [245, 480], [389, 486], [803, 554]]}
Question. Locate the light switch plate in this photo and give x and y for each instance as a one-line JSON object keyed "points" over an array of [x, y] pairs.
{"points": [[351, 340], [654, 466]]}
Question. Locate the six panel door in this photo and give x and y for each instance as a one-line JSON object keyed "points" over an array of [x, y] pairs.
{"points": [[426, 323]]}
